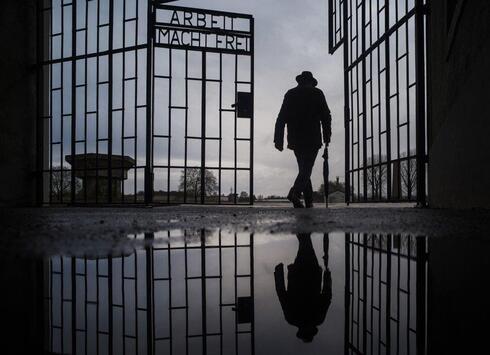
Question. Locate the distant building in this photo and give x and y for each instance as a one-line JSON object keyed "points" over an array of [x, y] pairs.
{"points": [[336, 197]]}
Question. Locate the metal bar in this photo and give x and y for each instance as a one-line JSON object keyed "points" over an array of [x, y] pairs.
{"points": [[364, 101], [203, 128], [123, 98], [371, 111], [149, 105], [387, 103], [94, 54], [330, 26], [201, 11], [420, 100], [41, 103], [205, 50], [220, 158], [97, 109], [252, 120], [346, 105], [50, 133], [186, 129], [397, 97], [85, 117], [169, 142], [235, 157], [206, 30], [110, 99], [62, 71]]}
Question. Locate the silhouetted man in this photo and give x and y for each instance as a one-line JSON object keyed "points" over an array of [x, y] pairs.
{"points": [[305, 302], [304, 110]]}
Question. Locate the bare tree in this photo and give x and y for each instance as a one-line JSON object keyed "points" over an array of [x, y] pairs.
{"points": [[61, 182], [191, 182], [404, 176], [376, 176], [408, 177]]}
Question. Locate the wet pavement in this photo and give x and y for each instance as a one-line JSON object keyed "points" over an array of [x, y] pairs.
{"points": [[92, 230], [269, 281]]}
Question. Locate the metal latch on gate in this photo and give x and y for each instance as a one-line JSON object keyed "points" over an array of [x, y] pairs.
{"points": [[244, 105]]}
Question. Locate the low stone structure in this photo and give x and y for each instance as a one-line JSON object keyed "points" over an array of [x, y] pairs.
{"points": [[93, 170]]}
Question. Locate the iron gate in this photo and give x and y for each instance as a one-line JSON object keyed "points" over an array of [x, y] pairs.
{"points": [[385, 97], [144, 103]]}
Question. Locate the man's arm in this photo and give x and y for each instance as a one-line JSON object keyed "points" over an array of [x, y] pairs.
{"points": [[325, 119], [280, 124]]}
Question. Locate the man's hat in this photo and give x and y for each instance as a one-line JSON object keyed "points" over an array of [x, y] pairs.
{"points": [[307, 333], [306, 76]]}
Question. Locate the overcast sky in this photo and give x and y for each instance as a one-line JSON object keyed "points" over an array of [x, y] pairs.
{"points": [[290, 36]]}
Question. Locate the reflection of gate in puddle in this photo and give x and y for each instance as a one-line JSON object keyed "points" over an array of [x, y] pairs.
{"points": [[385, 294], [180, 296]]}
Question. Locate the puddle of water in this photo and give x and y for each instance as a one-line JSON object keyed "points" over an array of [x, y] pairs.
{"points": [[218, 292]]}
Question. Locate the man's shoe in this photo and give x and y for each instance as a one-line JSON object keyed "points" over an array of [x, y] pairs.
{"points": [[294, 198], [309, 204]]}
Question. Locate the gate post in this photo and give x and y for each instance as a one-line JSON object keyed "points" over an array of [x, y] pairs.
{"points": [[252, 120], [345, 20], [203, 129], [420, 99], [149, 105]]}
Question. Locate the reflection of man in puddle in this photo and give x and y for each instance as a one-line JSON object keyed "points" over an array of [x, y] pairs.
{"points": [[305, 302]]}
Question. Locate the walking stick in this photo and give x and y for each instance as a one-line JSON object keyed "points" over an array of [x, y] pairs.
{"points": [[325, 175]]}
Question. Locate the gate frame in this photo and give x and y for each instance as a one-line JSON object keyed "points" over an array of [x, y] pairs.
{"points": [[339, 35], [152, 45], [45, 91]]}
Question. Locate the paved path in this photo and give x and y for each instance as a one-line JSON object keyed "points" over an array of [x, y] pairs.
{"points": [[75, 228]]}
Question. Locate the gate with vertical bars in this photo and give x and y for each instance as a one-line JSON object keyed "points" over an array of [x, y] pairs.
{"points": [[385, 116], [142, 102]]}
